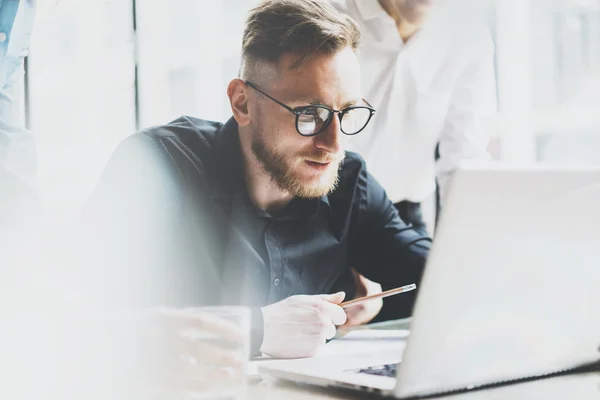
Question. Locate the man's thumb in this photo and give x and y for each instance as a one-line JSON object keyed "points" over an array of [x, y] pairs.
{"points": [[335, 298]]}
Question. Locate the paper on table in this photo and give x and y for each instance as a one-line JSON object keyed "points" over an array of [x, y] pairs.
{"points": [[354, 342], [375, 334]]}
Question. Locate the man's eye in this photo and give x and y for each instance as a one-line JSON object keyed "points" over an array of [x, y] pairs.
{"points": [[310, 111]]}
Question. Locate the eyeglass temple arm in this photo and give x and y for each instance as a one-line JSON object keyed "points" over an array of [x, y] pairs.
{"points": [[253, 86]]}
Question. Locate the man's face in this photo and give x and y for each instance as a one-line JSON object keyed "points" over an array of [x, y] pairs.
{"points": [[304, 166]]}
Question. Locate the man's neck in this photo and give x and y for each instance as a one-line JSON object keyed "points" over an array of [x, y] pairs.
{"points": [[263, 192], [406, 29]]}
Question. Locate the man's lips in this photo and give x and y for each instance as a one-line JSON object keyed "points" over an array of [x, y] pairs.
{"points": [[318, 165]]}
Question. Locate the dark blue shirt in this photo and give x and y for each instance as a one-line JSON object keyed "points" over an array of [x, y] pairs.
{"points": [[179, 190]]}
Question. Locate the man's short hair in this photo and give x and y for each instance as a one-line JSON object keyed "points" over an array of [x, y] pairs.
{"points": [[302, 27]]}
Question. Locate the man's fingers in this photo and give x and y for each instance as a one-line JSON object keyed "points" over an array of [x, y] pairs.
{"points": [[208, 353], [354, 310], [335, 298], [335, 313], [330, 331], [219, 356], [354, 315], [363, 313], [194, 323], [330, 306]]}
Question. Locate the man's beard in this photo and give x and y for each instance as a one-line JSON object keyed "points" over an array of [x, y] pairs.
{"points": [[280, 167]]}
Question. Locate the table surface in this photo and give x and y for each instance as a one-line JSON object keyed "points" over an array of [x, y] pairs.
{"points": [[577, 387]]}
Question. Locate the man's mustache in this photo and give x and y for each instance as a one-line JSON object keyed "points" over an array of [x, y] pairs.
{"points": [[323, 157]]}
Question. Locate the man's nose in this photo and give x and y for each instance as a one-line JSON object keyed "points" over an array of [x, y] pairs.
{"points": [[330, 139]]}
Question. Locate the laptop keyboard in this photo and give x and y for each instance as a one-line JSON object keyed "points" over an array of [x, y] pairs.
{"points": [[388, 370]]}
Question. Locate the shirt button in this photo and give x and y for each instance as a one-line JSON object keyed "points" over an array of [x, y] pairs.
{"points": [[276, 282], [2, 37]]}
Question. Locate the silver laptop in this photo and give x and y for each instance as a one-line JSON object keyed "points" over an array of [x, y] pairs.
{"points": [[511, 290]]}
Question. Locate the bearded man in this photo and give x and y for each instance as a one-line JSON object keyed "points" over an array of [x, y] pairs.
{"points": [[266, 210]]}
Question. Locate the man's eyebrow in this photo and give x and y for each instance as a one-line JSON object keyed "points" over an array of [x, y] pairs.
{"points": [[312, 101], [351, 103], [316, 102]]}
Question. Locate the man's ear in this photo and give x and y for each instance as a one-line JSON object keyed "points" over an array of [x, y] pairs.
{"points": [[237, 91]]}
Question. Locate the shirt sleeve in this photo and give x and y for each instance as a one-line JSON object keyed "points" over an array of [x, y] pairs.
{"points": [[129, 228], [17, 147], [136, 238], [384, 248], [467, 126], [148, 237]]}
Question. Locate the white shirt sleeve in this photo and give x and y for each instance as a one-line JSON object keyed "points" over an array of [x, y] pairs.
{"points": [[468, 123], [17, 146]]}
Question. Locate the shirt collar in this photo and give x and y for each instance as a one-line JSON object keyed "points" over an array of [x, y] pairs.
{"points": [[370, 9], [229, 168]]}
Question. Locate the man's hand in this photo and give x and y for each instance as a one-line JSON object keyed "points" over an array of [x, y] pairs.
{"points": [[299, 325], [364, 312], [188, 351]]}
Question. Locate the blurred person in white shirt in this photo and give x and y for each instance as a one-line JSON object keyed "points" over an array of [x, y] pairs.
{"points": [[54, 342], [427, 66], [17, 150]]}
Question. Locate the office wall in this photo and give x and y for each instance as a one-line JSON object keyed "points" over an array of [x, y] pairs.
{"points": [[100, 69]]}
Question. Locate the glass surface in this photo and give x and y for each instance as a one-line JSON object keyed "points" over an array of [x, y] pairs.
{"points": [[222, 342]]}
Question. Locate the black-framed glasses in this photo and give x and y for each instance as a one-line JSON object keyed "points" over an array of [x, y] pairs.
{"points": [[314, 119]]}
